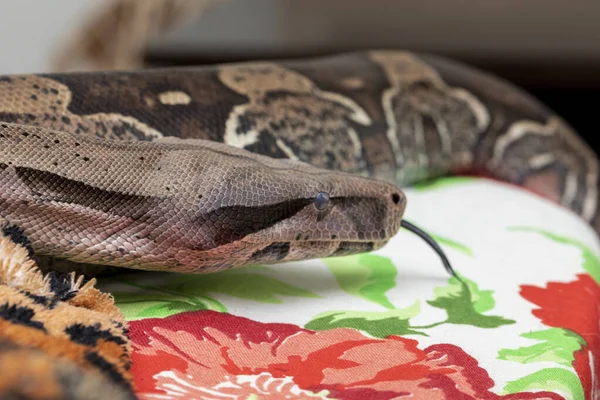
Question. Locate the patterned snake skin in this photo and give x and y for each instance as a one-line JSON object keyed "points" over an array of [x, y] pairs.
{"points": [[200, 169]]}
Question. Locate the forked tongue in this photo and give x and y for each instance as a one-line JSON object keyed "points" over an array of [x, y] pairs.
{"points": [[431, 242]]}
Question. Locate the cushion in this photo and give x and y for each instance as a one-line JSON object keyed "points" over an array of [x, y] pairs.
{"points": [[524, 324]]}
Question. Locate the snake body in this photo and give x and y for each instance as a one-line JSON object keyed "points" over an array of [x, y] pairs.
{"points": [[200, 169]]}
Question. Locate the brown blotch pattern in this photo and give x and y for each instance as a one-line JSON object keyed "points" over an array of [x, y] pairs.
{"points": [[293, 118], [38, 101]]}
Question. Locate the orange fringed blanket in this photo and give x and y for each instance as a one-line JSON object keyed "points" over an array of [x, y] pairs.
{"points": [[59, 338]]}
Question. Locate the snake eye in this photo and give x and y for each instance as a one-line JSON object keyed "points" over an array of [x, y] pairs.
{"points": [[321, 200]]}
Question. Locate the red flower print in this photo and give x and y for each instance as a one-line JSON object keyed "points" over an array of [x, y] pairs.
{"points": [[207, 354], [574, 306]]}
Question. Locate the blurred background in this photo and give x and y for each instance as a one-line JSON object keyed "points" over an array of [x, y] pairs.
{"points": [[549, 47]]}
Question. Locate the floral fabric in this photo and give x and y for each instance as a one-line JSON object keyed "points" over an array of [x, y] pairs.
{"points": [[525, 324]]}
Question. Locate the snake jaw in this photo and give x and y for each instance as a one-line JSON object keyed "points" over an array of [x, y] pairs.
{"points": [[351, 224], [277, 252]]}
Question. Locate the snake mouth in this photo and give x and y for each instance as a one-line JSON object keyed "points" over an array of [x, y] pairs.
{"points": [[347, 248], [300, 250]]}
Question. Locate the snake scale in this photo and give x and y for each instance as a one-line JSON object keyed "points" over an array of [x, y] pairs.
{"points": [[197, 169]]}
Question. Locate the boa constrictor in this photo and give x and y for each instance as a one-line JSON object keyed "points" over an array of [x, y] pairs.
{"points": [[199, 169]]}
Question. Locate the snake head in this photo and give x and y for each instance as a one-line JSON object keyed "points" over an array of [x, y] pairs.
{"points": [[336, 214], [260, 210]]}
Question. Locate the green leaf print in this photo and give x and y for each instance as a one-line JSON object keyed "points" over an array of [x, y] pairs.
{"points": [[453, 244], [245, 285], [465, 303], [153, 303], [556, 380], [591, 263], [365, 275], [156, 309], [442, 182], [168, 294], [557, 345], [377, 324]]}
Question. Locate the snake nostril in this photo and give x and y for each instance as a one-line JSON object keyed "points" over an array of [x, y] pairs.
{"points": [[396, 198]]}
